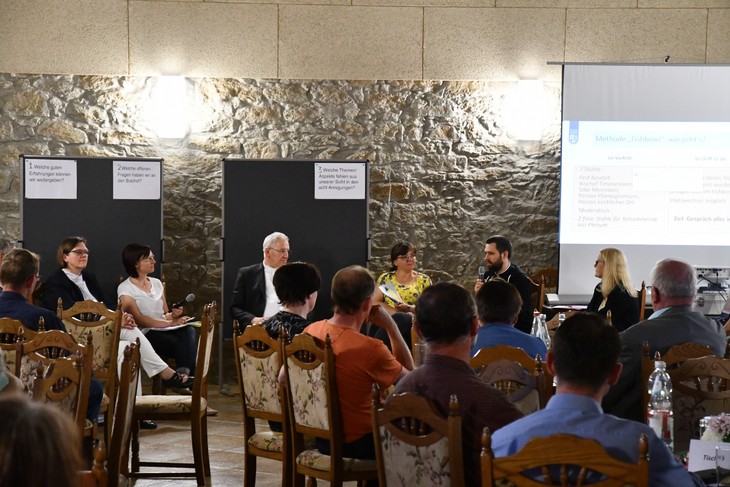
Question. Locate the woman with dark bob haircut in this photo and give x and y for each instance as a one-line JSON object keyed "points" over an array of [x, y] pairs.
{"points": [[297, 285], [38, 444], [72, 282], [144, 298]]}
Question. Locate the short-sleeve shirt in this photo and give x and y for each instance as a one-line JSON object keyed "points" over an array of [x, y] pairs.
{"points": [[360, 361], [408, 292], [150, 304]]}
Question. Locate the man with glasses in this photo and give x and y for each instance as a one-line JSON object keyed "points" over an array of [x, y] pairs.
{"points": [[254, 296], [19, 276]]}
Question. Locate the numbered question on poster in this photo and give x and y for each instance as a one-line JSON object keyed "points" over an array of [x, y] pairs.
{"points": [[50, 179], [136, 180], [339, 181]]}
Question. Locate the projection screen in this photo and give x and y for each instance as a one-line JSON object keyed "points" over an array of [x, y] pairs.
{"points": [[645, 168]]}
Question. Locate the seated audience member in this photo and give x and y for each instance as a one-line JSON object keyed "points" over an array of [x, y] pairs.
{"points": [[446, 320], [498, 306], [72, 282], [408, 282], [359, 360], [144, 298], [584, 359], [615, 292], [254, 298], [498, 257], [297, 285], [674, 284], [19, 275], [37, 444]]}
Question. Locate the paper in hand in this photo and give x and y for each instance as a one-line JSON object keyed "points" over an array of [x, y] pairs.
{"points": [[388, 290]]}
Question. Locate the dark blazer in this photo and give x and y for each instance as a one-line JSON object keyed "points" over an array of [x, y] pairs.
{"points": [[624, 308], [58, 285], [249, 294], [13, 305], [677, 325]]}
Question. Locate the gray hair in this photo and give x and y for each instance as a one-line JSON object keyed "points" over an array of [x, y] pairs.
{"points": [[273, 238], [6, 245], [674, 279]]}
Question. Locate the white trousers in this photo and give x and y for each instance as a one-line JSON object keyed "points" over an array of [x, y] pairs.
{"points": [[148, 358]]}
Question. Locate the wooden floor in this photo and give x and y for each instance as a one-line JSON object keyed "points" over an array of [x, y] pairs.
{"points": [[171, 442]]}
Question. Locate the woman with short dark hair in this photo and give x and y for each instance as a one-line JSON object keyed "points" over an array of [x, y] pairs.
{"points": [[297, 285]]}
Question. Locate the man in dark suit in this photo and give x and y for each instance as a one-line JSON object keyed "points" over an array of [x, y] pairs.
{"points": [[254, 298], [673, 322]]}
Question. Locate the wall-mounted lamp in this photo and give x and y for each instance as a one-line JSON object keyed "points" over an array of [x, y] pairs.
{"points": [[526, 111], [170, 107]]}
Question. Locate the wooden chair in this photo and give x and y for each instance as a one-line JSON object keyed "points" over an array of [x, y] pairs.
{"points": [[182, 408], [701, 387], [65, 383], [673, 357], [513, 372], [413, 441], [9, 336], [258, 357], [86, 317], [565, 460], [538, 293], [314, 409], [642, 301], [121, 428], [98, 475], [549, 276]]}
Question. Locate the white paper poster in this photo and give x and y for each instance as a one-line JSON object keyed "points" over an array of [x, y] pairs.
{"points": [[136, 180], [50, 179], [339, 181]]}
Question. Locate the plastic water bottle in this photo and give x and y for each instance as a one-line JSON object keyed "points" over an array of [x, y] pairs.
{"points": [[535, 323], [543, 333], [660, 404]]}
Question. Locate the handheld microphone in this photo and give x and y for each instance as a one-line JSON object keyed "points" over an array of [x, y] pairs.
{"points": [[188, 299], [482, 271]]}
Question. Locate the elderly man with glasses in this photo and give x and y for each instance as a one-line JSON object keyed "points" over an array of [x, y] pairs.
{"points": [[254, 297]]}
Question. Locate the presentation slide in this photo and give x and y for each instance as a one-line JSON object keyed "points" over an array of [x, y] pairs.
{"points": [[645, 168]]}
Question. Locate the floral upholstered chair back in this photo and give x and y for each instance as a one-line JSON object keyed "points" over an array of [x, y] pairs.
{"points": [[308, 385], [259, 362], [86, 317], [415, 444]]}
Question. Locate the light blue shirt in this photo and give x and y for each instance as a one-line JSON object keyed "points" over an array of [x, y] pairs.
{"points": [[582, 416], [495, 334]]}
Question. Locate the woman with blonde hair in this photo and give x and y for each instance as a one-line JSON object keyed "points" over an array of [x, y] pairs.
{"points": [[615, 292]]}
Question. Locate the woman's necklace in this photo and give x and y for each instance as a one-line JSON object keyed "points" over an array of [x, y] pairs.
{"points": [[143, 284]]}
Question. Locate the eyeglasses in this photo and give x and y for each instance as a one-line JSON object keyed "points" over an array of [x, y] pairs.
{"points": [[79, 252], [149, 258], [39, 277], [407, 257], [599, 262], [281, 251]]}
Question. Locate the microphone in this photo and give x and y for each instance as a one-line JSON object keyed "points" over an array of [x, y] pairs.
{"points": [[188, 299], [482, 271]]}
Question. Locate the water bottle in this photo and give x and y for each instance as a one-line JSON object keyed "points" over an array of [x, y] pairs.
{"points": [[543, 333], [535, 323], [660, 403]]}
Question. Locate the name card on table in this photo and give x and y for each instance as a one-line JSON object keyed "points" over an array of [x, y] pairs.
{"points": [[702, 455]]}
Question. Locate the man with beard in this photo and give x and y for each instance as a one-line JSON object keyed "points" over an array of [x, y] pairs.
{"points": [[497, 255]]}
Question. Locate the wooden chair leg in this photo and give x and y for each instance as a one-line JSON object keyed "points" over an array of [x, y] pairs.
{"points": [[196, 433], [204, 439], [135, 445], [249, 471]]}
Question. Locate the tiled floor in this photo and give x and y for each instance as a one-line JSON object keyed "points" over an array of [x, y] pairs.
{"points": [[171, 442]]}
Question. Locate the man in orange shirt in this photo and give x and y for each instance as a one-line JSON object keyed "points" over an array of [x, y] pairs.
{"points": [[360, 361]]}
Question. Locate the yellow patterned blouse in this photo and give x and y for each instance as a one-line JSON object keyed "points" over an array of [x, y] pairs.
{"points": [[409, 292]]}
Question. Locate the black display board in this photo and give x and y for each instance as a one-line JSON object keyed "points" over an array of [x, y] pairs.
{"points": [[265, 196], [107, 223]]}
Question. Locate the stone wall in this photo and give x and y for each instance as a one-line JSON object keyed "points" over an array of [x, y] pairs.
{"points": [[445, 172]]}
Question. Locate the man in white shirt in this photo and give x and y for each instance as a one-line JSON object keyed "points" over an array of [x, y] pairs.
{"points": [[254, 297]]}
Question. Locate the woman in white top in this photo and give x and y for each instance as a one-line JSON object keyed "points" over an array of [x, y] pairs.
{"points": [[72, 283], [143, 297]]}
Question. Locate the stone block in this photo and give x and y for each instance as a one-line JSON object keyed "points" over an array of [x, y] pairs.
{"points": [[718, 35]]}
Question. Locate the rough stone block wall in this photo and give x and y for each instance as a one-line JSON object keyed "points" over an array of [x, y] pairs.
{"points": [[445, 172]]}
